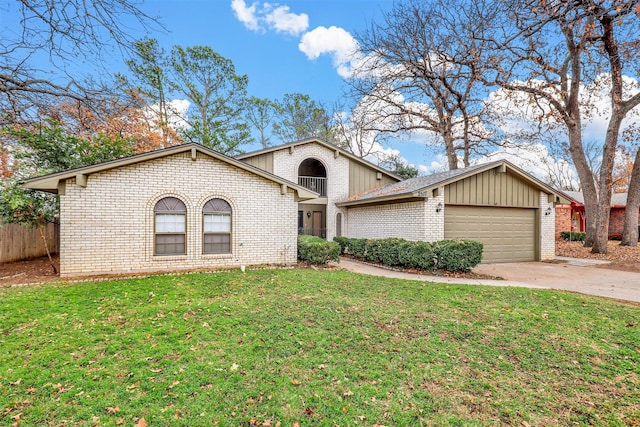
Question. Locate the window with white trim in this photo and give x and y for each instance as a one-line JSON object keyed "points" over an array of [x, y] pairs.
{"points": [[216, 226], [170, 223]]}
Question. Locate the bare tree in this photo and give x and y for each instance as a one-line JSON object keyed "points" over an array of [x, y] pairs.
{"points": [[63, 33], [353, 132], [630, 231], [420, 72], [549, 51]]}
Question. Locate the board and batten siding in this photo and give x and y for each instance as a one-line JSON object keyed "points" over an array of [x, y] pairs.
{"points": [[363, 178], [263, 161], [492, 188]]}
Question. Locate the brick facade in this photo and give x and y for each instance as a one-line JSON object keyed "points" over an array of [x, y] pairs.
{"points": [[410, 221], [286, 163], [547, 228], [108, 227], [563, 219]]}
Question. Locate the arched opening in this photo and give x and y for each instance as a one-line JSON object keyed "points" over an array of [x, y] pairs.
{"points": [[313, 175]]}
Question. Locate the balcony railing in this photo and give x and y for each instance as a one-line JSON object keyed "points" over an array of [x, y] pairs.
{"points": [[312, 231], [314, 183]]}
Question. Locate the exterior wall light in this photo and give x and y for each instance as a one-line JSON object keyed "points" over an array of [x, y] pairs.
{"points": [[439, 207], [548, 211], [308, 214]]}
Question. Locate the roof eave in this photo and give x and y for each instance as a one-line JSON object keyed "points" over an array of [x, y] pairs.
{"points": [[400, 198]]}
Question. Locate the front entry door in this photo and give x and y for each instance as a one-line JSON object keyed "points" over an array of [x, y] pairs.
{"points": [[317, 223]]}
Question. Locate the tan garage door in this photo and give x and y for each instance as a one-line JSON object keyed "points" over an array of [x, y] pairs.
{"points": [[508, 234]]}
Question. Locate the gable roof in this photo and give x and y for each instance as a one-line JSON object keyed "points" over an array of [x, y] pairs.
{"points": [[617, 199], [325, 144], [420, 187], [50, 183]]}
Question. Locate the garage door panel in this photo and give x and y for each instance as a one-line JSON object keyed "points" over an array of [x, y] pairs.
{"points": [[508, 234]]}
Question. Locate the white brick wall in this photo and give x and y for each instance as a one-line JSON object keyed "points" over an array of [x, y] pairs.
{"points": [[108, 226], [286, 164], [547, 228], [410, 221]]}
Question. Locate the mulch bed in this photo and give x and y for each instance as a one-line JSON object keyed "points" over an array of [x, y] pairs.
{"points": [[625, 258]]}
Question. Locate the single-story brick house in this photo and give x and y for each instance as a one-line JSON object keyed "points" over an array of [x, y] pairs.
{"points": [[571, 216], [188, 207], [183, 207]]}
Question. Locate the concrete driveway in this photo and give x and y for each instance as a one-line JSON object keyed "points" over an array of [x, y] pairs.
{"points": [[575, 275]]}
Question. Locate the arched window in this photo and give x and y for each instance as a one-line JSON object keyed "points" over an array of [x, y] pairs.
{"points": [[170, 227], [216, 226]]}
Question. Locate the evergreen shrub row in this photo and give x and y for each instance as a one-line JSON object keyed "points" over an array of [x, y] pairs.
{"points": [[449, 255], [316, 250]]}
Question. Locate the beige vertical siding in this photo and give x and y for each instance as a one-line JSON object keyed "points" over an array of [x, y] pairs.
{"points": [[262, 161], [363, 178], [492, 188]]}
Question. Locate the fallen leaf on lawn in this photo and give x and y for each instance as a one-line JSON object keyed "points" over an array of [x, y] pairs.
{"points": [[17, 382], [141, 423], [348, 393], [235, 367], [206, 386], [156, 370], [525, 424], [295, 424], [175, 383], [119, 421], [295, 382], [309, 411], [96, 420], [111, 410]]}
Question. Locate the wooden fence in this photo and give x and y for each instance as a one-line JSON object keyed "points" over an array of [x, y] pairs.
{"points": [[18, 242]]}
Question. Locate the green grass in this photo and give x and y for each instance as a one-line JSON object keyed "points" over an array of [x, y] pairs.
{"points": [[314, 348]]}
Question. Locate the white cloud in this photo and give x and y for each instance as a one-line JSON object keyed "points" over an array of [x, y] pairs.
{"points": [[283, 21], [259, 17], [246, 14], [333, 41]]}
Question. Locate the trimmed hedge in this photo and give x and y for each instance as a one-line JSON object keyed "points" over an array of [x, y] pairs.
{"points": [[450, 255], [573, 236], [316, 250]]}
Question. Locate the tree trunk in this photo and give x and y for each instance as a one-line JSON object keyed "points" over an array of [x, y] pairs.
{"points": [[606, 178], [630, 232], [46, 247], [589, 191]]}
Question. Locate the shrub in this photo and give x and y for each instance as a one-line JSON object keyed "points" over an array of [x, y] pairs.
{"points": [[573, 236], [316, 250], [390, 251], [343, 242], [423, 255], [457, 255], [357, 248]]}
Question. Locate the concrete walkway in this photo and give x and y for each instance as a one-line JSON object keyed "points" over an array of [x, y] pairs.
{"points": [[575, 275]]}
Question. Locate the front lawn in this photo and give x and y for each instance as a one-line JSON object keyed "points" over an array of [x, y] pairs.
{"points": [[304, 347]]}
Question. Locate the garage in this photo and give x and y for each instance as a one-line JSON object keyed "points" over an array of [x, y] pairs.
{"points": [[508, 234], [496, 203]]}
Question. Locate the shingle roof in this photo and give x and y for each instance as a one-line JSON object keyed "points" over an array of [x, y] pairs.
{"points": [[413, 185], [618, 199]]}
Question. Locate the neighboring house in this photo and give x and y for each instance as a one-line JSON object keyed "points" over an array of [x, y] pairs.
{"points": [[571, 216], [188, 207], [184, 207], [496, 203], [333, 172]]}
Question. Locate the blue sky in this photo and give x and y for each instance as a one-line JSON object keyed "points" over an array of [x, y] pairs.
{"points": [[300, 46]]}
